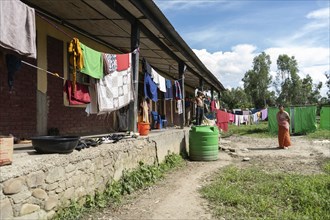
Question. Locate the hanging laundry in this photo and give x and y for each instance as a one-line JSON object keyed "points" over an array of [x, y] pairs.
{"points": [[264, 114], [145, 112], [18, 28], [123, 61], [213, 106], [241, 119], [92, 107], [178, 93], [169, 90], [109, 62], [13, 64], [93, 62], [162, 84], [237, 121], [246, 119], [146, 66], [217, 104], [76, 60], [155, 76], [80, 97], [115, 90], [231, 117], [222, 120], [255, 117], [179, 106], [150, 88], [246, 112]]}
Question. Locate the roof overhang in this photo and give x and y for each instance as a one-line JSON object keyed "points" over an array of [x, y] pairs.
{"points": [[109, 22]]}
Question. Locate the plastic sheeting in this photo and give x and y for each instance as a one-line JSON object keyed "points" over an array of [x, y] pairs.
{"points": [[325, 118], [303, 119]]}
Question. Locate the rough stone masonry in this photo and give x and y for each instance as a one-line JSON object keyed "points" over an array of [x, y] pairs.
{"points": [[36, 186]]}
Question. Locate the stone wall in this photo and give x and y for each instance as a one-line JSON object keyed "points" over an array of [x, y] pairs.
{"points": [[35, 186]]}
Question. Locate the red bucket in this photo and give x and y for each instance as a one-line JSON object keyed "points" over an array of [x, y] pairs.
{"points": [[143, 128]]}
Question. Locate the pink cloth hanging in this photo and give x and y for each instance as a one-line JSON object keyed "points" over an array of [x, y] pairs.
{"points": [[222, 120]]}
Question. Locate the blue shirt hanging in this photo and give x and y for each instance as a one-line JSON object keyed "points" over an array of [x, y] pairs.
{"points": [[150, 88], [169, 90]]}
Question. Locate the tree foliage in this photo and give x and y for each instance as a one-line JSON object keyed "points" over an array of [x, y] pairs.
{"points": [[235, 98], [292, 90], [328, 84], [257, 80]]}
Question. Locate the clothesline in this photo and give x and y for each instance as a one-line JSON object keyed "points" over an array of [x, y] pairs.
{"points": [[51, 23], [53, 74], [58, 28], [137, 50]]}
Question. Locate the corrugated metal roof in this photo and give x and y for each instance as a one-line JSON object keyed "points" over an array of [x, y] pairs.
{"points": [[109, 21]]}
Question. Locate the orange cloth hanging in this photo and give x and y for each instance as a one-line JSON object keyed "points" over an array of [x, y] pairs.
{"points": [[76, 60]]}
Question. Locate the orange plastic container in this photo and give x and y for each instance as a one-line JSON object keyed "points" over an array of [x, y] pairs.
{"points": [[143, 128]]}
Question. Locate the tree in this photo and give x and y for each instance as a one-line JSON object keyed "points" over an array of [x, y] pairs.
{"points": [[328, 84], [258, 80], [288, 84], [310, 93], [235, 98], [290, 88]]}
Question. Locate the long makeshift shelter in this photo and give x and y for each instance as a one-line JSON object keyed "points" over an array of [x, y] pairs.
{"points": [[119, 26]]}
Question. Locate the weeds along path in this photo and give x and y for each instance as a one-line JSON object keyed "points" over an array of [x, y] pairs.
{"points": [[177, 196]]}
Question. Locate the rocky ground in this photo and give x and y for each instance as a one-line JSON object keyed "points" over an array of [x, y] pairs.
{"points": [[177, 197]]}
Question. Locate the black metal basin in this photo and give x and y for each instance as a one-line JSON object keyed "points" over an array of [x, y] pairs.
{"points": [[55, 144]]}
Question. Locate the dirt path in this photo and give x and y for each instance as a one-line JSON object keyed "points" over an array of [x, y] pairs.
{"points": [[177, 196]]}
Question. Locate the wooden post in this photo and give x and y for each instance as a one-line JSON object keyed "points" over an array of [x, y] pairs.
{"points": [[135, 43], [201, 84], [212, 91], [181, 76]]}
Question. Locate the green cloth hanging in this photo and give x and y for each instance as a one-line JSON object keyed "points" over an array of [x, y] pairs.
{"points": [[93, 62], [304, 119], [272, 122], [325, 118]]}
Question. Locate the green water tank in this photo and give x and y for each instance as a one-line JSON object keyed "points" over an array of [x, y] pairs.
{"points": [[203, 143]]}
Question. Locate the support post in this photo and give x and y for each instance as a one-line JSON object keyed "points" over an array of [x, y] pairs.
{"points": [[219, 99], [181, 76], [212, 91], [133, 107], [201, 84]]}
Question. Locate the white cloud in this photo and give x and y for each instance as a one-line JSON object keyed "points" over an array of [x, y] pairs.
{"points": [[314, 32], [323, 13], [187, 5], [230, 67], [182, 4]]}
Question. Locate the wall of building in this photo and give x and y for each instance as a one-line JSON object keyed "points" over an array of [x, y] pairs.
{"points": [[36, 186], [18, 111], [38, 103]]}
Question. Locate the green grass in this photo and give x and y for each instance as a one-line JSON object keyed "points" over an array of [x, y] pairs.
{"points": [[261, 131], [256, 130], [319, 134], [254, 194]]}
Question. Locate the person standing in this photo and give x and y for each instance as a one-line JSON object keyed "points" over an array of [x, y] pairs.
{"points": [[283, 121], [199, 107]]}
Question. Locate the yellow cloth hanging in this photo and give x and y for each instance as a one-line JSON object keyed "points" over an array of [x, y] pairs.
{"points": [[145, 112], [76, 60]]}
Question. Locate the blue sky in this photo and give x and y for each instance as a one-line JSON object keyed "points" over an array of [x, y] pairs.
{"points": [[227, 34]]}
